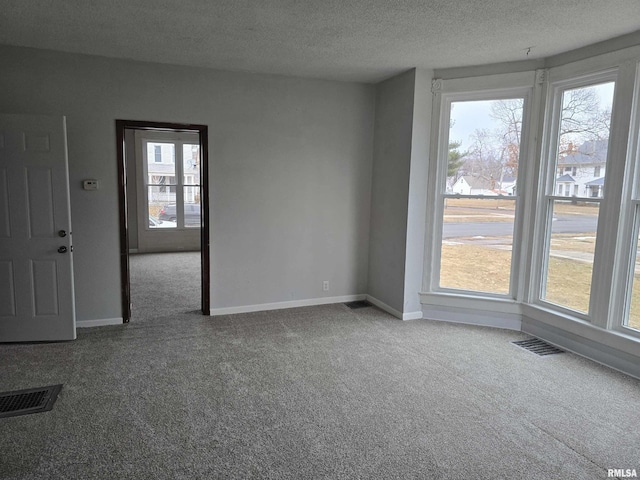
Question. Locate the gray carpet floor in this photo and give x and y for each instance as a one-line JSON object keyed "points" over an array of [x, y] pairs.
{"points": [[320, 392], [164, 283]]}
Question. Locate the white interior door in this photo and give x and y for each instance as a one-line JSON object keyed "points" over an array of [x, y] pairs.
{"points": [[36, 262]]}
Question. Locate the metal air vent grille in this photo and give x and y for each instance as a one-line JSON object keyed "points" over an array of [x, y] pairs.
{"points": [[32, 400]]}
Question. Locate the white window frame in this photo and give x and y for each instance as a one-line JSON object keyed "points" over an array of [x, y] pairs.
{"points": [[178, 139], [542, 234], [494, 87]]}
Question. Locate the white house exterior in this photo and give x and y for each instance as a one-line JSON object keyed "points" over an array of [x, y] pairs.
{"points": [[581, 172], [481, 185]]}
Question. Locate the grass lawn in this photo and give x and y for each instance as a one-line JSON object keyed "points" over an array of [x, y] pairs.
{"points": [[475, 203], [474, 210], [468, 215], [473, 267], [500, 209], [569, 283], [570, 242], [483, 269], [508, 203]]}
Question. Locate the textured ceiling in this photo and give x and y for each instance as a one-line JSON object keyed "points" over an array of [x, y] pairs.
{"points": [[353, 40]]}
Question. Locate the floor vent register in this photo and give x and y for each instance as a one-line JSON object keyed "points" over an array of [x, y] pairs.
{"points": [[358, 304], [538, 347], [32, 400]]}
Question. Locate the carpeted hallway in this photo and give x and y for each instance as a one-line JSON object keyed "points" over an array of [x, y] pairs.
{"points": [[164, 283], [317, 392]]}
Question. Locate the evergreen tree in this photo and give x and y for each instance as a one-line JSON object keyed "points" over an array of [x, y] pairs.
{"points": [[456, 160]]}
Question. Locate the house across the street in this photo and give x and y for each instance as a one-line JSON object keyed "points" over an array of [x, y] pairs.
{"points": [[483, 185], [581, 171]]}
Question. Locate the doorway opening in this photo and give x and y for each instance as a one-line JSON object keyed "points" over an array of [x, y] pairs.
{"points": [[164, 206]]}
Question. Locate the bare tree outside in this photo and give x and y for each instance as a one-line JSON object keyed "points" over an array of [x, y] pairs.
{"points": [[582, 119], [508, 114], [494, 149]]}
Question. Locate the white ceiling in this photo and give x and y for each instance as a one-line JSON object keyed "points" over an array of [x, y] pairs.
{"points": [[354, 40]]}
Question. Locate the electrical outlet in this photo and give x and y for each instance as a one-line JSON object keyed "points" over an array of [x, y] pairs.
{"points": [[325, 285]]}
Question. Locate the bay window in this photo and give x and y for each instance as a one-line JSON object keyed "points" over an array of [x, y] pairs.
{"points": [[534, 205]]}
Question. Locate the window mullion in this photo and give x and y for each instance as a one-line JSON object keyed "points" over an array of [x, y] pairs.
{"points": [[523, 228], [179, 184], [624, 272], [439, 118], [548, 124]]}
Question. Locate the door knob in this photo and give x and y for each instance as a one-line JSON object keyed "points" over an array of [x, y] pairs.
{"points": [[62, 249], [62, 233]]}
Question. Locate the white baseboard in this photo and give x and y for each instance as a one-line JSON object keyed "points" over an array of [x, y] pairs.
{"points": [[413, 316], [383, 306], [282, 305], [100, 322], [473, 317], [596, 351], [396, 313]]}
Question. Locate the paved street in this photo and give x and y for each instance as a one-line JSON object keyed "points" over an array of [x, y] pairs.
{"points": [[582, 224], [498, 235]]}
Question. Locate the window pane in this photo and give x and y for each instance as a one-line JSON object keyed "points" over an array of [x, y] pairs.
{"points": [[191, 164], [571, 251], [633, 319], [162, 214], [583, 140], [477, 238], [161, 159], [192, 207], [579, 173], [483, 159], [484, 147]]}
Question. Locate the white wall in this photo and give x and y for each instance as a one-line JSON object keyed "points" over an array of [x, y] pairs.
{"points": [[417, 195], [290, 170], [398, 202]]}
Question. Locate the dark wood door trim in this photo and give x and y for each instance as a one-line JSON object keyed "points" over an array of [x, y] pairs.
{"points": [[203, 135]]}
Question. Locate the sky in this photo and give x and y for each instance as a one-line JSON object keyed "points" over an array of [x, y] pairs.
{"points": [[466, 118]]}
